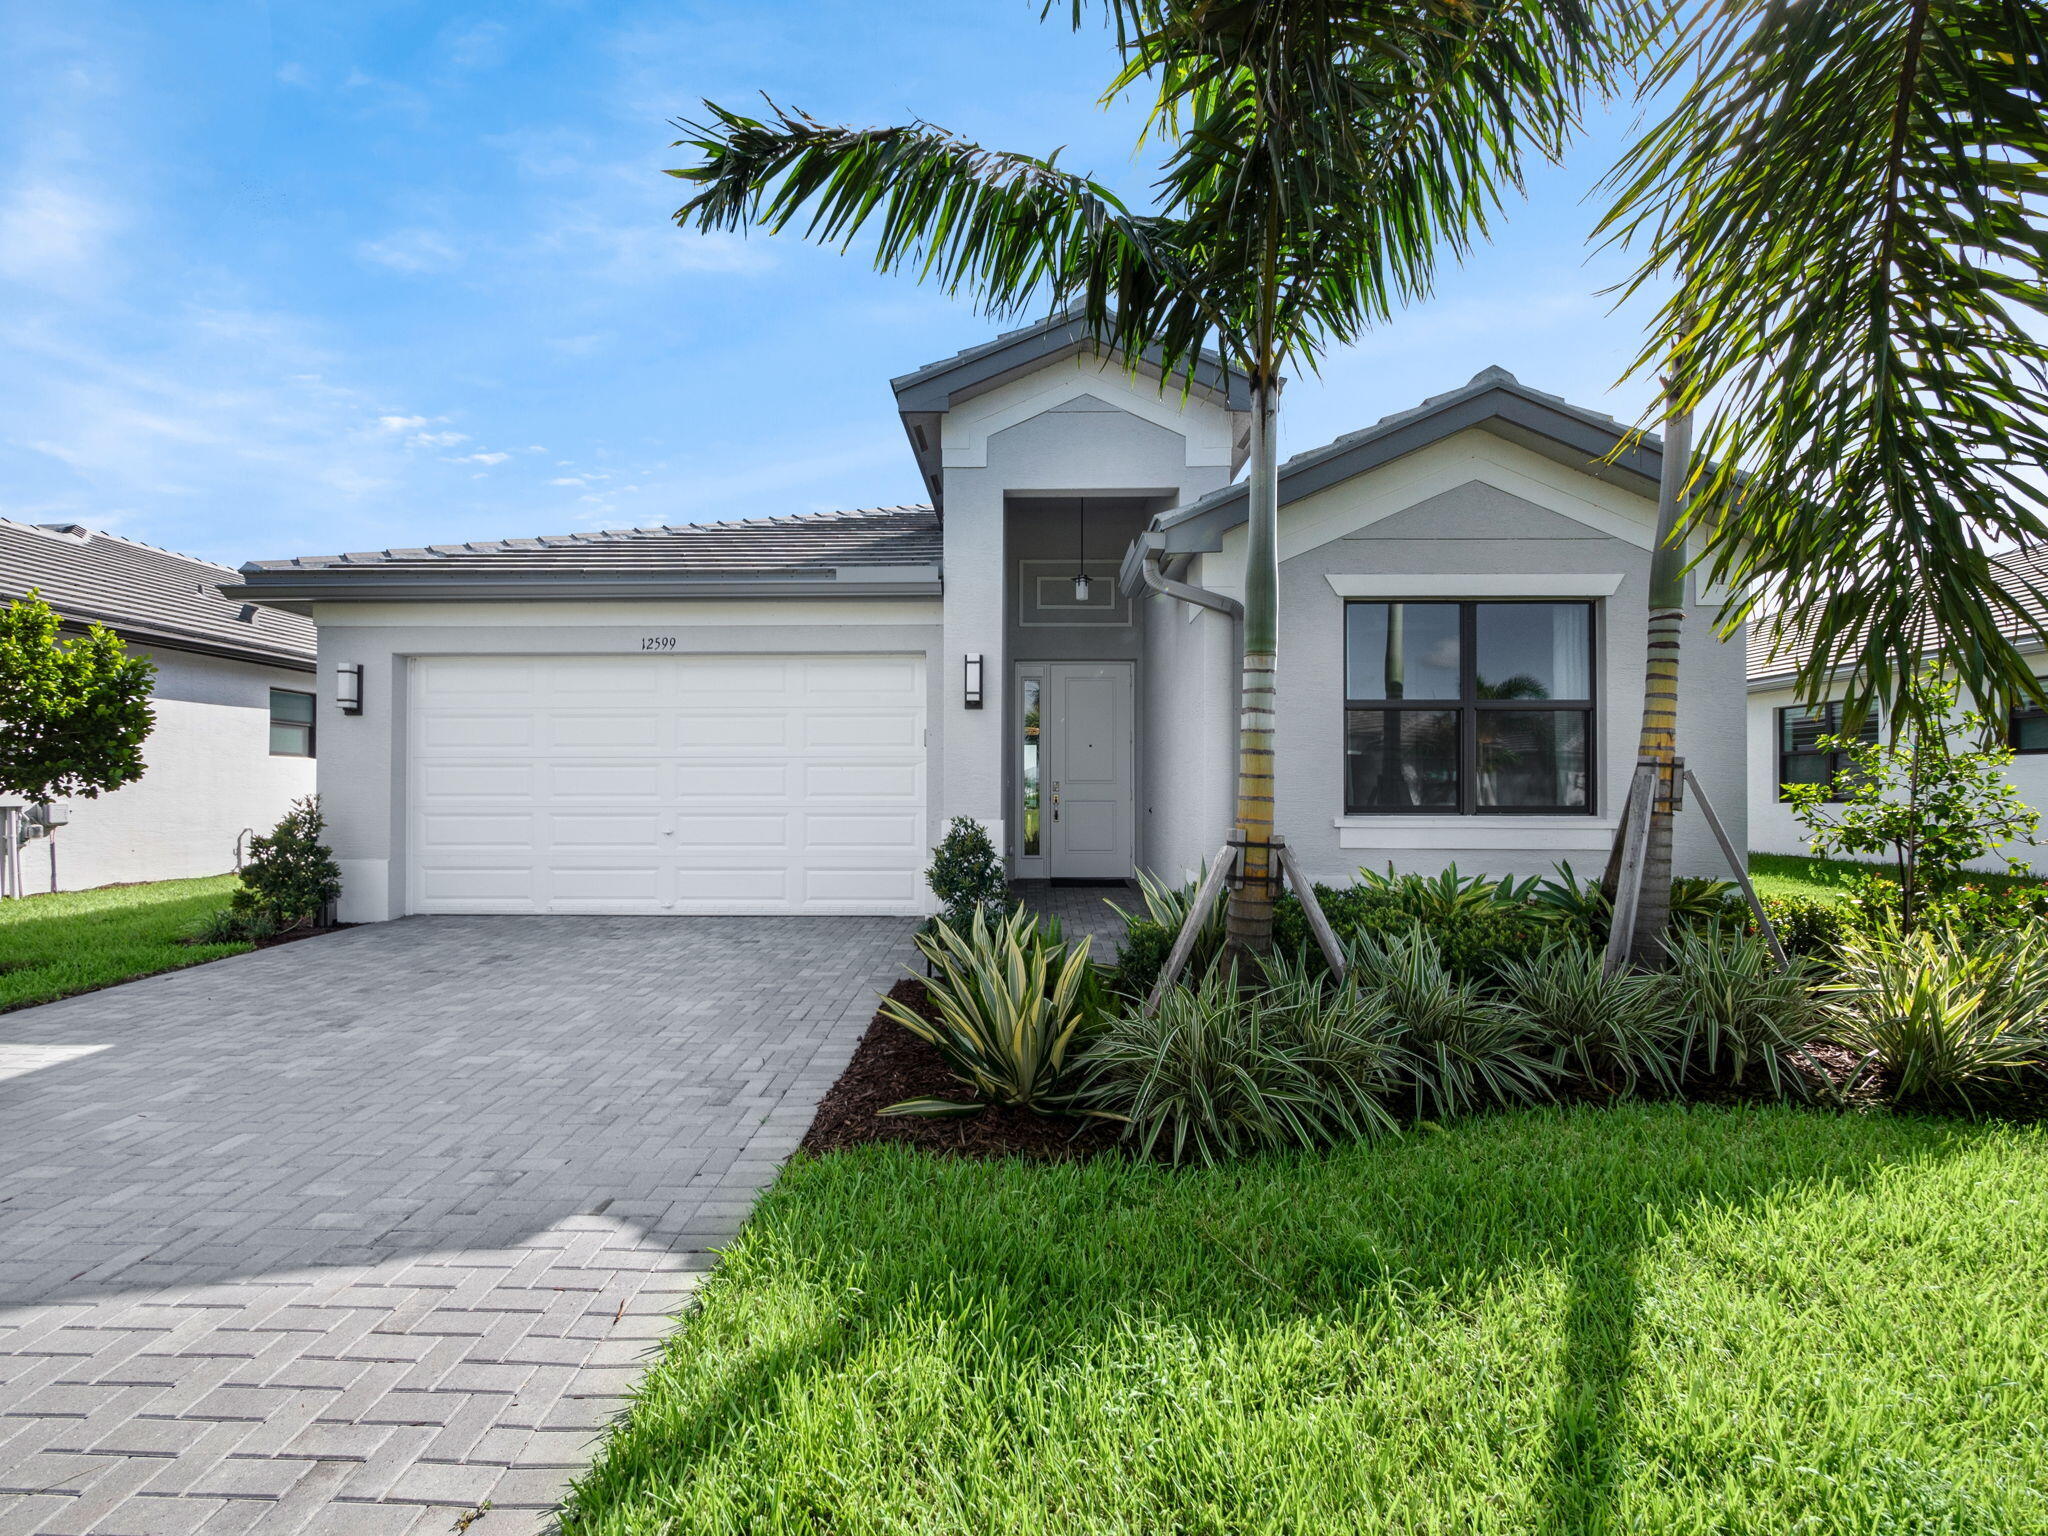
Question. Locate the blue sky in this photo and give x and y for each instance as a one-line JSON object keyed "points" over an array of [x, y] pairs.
{"points": [[305, 277]]}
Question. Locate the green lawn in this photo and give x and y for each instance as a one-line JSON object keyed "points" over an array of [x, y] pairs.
{"points": [[1788, 874], [1645, 1319], [53, 946]]}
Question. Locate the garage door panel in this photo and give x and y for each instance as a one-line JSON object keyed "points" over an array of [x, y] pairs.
{"points": [[602, 781], [590, 730], [457, 730], [600, 829], [474, 781], [477, 830], [668, 784], [721, 783], [887, 730], [697, 729], [894, 832], [870, 783]]}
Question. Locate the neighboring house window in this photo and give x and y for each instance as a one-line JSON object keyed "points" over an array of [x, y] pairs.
{"points": [[1800, 760], [291, 723], [2029, 731], [1468, 708]]}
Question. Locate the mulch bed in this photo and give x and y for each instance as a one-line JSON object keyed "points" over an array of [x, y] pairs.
{"points": [[892, 1064], [296, 934]]}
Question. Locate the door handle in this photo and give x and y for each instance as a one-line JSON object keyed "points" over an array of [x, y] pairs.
{"points": [[1055, 799]]}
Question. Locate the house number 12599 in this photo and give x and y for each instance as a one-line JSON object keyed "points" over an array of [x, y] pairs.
{"points": [[657, 642]]}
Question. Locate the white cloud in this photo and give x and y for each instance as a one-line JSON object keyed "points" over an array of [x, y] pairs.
{"points": [[400, 423], [481, 46], [437, 439], [568, 480], [411, 250], [54, 234], [481, 458]]}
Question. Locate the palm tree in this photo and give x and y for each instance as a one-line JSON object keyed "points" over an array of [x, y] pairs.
{"points": [[1314, 163], [1850, 203]]}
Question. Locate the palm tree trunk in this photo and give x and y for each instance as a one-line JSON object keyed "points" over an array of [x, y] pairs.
{"points": [[1249, 926], [1658, 741]]}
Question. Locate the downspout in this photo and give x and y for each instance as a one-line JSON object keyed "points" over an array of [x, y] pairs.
{"points": [[1151, 559]]}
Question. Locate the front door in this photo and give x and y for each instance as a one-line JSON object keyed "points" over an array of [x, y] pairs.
{"points": [[1089, 798]]}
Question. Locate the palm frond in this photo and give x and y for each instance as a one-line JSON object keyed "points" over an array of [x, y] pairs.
{"points": [[1848, 201]]}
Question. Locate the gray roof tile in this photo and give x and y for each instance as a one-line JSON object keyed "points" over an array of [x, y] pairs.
{"points": [[144, 593], [758, 546], [1776, 652]]}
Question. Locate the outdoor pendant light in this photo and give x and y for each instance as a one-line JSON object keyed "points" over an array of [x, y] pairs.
{"points": [[1081, 582]]}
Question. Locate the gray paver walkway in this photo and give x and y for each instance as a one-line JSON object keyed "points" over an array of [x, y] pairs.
{"points": [[354, 1234]]}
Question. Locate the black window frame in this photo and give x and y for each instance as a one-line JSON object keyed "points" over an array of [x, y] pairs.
{"points": [[1838, 761], [2012, 729], [1468, 706], [311, 722]]}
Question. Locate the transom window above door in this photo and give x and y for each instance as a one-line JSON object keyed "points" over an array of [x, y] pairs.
{"points": [[1468, 708]]}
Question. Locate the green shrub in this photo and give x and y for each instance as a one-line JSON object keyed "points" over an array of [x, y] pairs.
{"points": [[227, 926], [290, 876], [1739, 1010], [1612, 1031], [1011, 999], [1583, 907], [1939, 1018], [1140, 958], [1217, 1072], [1475, 929], [1149, 934], [967, 875], [1460, 1051], [1807, 926]]}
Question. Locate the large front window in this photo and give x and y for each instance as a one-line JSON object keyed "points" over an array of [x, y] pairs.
{"points": [[1468, 708]]}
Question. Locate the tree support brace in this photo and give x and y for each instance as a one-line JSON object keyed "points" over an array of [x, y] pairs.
{"points": [[1225, 870]]}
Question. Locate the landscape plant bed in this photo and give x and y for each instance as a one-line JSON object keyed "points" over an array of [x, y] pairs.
{"points": [[891, 1064]]}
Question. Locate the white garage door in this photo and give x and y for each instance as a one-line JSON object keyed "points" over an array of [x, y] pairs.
{"points": [[667, 784]]}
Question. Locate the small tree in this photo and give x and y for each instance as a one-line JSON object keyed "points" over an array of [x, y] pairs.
{"points": [[967, 875], [1917, 800], [73, 715], [290, 875]]}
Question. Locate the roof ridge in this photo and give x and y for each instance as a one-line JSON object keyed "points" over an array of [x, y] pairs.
{"points": [[49, 530]]}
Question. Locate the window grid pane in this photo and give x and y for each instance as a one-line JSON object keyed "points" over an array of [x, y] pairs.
{"points": [[2030, 730], [1497, 743]]}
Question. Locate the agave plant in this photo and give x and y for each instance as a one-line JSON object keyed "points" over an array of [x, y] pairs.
{"points": [[1939, 1018], [1612, 1030], [1459, 1050], [1010, 1000], [1739, 1009]]}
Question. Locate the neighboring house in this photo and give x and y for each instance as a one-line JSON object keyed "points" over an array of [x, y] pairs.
{"points": [[780, 715], [1784, 731], [235, 730]]}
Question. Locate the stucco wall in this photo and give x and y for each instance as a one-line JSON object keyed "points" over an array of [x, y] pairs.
{"points": [[210, 774], [1190, 736], [1476, 507], [363, 757], [1772, 826], [1095, 432]]}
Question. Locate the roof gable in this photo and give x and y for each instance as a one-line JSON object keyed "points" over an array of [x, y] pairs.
{"points": [[1493, 401]]}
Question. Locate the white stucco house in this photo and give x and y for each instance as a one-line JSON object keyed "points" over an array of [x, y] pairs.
{"points": [[1784, 730], [236, 700], [781, 715]]}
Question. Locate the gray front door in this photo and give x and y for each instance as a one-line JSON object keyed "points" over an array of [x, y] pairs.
{"points": [[1090, 798]]}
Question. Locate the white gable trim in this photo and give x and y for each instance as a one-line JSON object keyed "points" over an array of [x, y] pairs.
{"points": [[1480, 584], [965, 430]]}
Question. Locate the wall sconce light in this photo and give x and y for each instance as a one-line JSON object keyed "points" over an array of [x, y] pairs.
{"points": [[348, 688], [973, 694]]}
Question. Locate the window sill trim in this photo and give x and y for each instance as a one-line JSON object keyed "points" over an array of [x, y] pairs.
{"points": [[1541, 833]]}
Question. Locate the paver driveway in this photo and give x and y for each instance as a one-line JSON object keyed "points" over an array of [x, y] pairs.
{"points": [[355, 1234]]}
